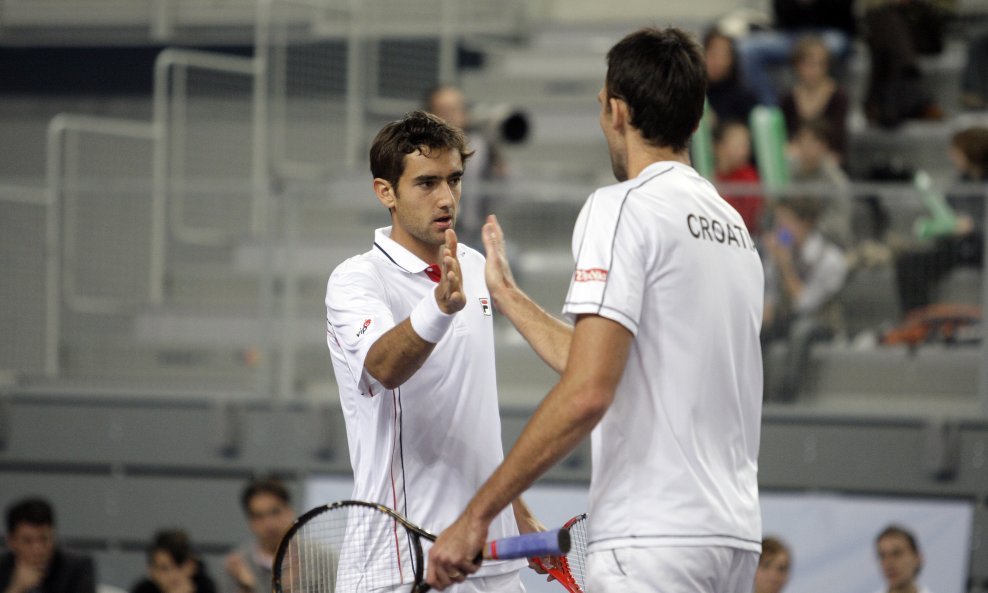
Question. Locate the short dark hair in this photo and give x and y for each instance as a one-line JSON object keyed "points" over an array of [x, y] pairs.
{"points": [[35, 511], [265, 485], [899, 531], [661, 75], [417, 130], [174, 542], [772, 547]]}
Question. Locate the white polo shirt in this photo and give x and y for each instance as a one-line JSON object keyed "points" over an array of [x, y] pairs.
{"points": [[675, 458], [426, 447]]}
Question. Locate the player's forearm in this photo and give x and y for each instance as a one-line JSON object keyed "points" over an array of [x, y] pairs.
{"points": [[524, 517], [548, 336], [397, 355]]}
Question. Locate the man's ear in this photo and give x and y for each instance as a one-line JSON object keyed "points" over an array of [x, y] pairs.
{"points": [[385, 192], [619, 113]]}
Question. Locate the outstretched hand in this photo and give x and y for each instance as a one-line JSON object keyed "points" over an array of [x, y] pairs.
{"points": [[449, 293], [497, 271]]}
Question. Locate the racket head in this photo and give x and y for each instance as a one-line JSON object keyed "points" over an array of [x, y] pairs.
{"points": [[577, 556], [348, 547]]}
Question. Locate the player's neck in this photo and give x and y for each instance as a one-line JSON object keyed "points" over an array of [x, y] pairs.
{"points": [[642, 154], [424, 251]]}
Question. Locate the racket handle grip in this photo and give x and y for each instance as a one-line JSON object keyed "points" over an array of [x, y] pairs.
{"points": [[554, 542]]}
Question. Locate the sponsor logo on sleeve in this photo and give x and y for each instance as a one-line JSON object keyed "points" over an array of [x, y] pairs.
{"points": [[363, 328], [590, 275]]}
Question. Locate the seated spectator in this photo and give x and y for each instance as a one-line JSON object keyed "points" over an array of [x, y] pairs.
{"points": [[919, 270], [172, 567], [732, 162], [761, 51], [813, 167], [974, 82], [34, 563], [772, 573], [804, 272], [267, 504], [815, 95], [899, 31], [900, 560], [727, 94]]}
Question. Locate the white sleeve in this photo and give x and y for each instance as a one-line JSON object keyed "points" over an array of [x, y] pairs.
{"points": [[357, 314], [609, 279]]}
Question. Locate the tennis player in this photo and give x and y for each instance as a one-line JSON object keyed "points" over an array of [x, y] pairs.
{"points": [[410, 330], [663, 363]]}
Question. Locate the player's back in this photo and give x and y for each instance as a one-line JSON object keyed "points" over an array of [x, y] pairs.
{"points": [[675, 458]]}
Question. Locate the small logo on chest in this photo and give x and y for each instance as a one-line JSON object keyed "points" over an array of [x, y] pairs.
{"points": [[485, 306]]}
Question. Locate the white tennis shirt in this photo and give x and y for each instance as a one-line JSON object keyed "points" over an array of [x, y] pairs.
{"points": [[426, 447], [675, 458]]}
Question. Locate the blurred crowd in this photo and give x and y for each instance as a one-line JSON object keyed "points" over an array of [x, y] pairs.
{"points": [[780, 115], [37, 562]]}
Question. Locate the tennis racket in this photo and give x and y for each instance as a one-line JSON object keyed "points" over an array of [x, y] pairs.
{"points": [[358, 547], [570, 570]]}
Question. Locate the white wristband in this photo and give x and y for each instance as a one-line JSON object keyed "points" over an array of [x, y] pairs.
{"points": [[428, 321]]}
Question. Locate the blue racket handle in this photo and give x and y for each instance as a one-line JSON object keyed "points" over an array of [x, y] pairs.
{"points": [[554, 542]]}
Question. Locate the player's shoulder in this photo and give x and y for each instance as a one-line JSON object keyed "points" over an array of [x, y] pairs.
{"points": [[364, 265]]}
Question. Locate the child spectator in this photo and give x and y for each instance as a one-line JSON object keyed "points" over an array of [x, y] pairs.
{"points": [[732, 160], [804, 272]]}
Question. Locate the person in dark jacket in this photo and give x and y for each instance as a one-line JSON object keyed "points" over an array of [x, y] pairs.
{"points": [[34, 563]]}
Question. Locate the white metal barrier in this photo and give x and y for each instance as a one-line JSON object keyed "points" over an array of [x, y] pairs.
{"points": [[207, 149], [100, 183]]}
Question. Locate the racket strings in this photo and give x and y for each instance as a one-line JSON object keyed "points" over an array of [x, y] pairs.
{"points": [[577, 556], [348, 549]]}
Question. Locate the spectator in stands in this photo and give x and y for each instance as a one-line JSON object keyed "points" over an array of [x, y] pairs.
{"points": [[974, 84], [34, 562], [815, 94], [486, 165], [172, 566], [804, 272], [727, 94], [761, 51], [813, 166], [900, 559], [267, 504], [898, 32], [772, 573], [732, 162], [919, 270]]}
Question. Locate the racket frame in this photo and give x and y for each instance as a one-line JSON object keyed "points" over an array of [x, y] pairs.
{"points": [[303, 519]]}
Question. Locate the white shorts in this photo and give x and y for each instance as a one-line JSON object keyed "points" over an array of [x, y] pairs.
{"points": [[671, 570]]}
